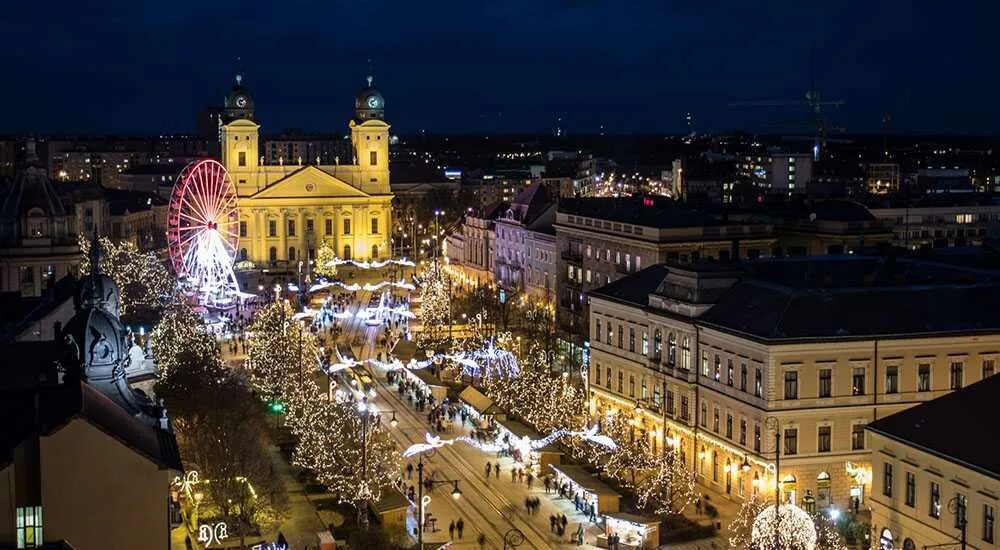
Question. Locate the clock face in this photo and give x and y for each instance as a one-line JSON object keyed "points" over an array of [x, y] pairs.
{"points": [[241, 101], [373, 102]]}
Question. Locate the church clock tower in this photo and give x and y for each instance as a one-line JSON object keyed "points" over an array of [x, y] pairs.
{"points": [[370, 137], [240, 138]]}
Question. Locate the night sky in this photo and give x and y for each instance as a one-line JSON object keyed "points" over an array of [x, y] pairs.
{"points": [[491, 66]]}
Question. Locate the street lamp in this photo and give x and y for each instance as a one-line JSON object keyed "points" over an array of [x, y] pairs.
{"points": [[431, 483]]}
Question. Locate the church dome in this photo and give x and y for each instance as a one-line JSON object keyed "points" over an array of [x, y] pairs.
{"points": [[369, 104]]}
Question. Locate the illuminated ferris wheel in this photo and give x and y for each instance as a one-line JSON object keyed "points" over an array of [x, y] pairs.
{"points": [[203, 231]]}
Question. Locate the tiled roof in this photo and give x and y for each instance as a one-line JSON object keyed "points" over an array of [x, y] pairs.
{"points": [[952, 426]]}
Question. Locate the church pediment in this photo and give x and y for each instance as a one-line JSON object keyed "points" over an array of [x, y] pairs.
{"points": [[308, 182]]}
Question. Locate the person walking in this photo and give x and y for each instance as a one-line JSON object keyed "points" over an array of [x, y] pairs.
{"points": [[496, 468], [461, 527], [489, 467], [513, 474], [451, 530], [528, 479], [409, 471]]}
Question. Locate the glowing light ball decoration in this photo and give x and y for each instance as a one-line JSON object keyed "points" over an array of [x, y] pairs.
{"points": [[795, 529], [203, 231]]}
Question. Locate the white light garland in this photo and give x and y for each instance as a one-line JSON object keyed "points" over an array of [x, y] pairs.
{"points": [[791, 526]]}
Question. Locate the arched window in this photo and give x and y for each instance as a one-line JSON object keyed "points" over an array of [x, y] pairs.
{"points": [[885, 540], [686, 353], [243, 254], [291, 253], [374, 225], [908, 544], [729, 476], [347, 252], [374, 251], [671, 349], [272, 254], [756, 483], [715, 466], [824, 493], [657, 344]]}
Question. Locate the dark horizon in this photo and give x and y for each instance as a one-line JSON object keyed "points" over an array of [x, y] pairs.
{"points": [[464, 69]]}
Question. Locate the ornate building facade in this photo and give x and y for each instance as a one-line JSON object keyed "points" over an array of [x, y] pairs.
{"points": [[290, 209]]}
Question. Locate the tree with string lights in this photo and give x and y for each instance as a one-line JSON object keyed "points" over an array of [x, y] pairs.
{"points": [[325, 255], [280, 352], [181, 330], [142, 280], [669, 486], [741, 528], [435, 303]]}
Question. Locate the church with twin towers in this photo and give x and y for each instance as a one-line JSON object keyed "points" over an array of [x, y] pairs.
{"points": [[291, 209]]}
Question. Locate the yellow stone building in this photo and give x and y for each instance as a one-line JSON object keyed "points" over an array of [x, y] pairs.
{"points": [[289, 210]]}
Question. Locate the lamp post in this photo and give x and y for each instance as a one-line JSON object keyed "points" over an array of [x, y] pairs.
{"points": [[455, 494], [957, 506], [772, 423]]}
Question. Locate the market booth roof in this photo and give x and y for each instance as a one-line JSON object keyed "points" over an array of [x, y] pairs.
{"points": [[405, 350], [475, 399], [584, 479]]}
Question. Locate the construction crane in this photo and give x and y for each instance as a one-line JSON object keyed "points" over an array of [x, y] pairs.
{"points": [[817, 118]]}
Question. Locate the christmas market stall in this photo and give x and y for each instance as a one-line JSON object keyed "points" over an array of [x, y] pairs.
{"points": [[578, 485], [517, 438], [428, 383], [479, 407], [633, 531]]}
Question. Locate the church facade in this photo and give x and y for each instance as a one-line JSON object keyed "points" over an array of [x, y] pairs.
{"points": [[290, 209]]}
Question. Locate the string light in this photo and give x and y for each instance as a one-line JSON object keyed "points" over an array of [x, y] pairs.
{"points": [[142, 279], [787, 525]]}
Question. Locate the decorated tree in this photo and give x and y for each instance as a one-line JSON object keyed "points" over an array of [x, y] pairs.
{"points": [[324, 261], [670, 486], [741, 528], [280, 352], [780, 527], [181, 330], [142, 280], [435, 304], [827, 537], [330, 437]]}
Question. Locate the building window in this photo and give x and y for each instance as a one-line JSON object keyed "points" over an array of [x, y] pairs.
{"points": [[704, 414], [743, 432], [242, 158], [935, 505], [891, 379], [729, 426], [29, 527], [858, 381], [704, 363], [825, 382], [645, 343], [758, 383], [988, 368], [243, 229], [608, 379], [597, 330], [715, 420], [347, 226], [328, 227], [373, 158], [791, 441], [670, 402], [686, 353], [729, 372], [684, 408], [743, 377], [956, 375], [823, 439], [631, 385], [291, 253], [631, 339], [657, 344], [621, 381], [857, 437], [609, 335], [597, 374], [310, 225], [989, 520], [887, 479], [291, 228], [756, 438], [374, 226], [791, 385], [911, 489], [718, 368], [272, 254], [272, 228], [924, 377]]}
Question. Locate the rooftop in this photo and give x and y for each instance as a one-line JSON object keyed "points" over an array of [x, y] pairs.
{"points": [[951, 427], [659, 213]]}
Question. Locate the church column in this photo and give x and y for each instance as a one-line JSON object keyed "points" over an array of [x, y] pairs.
{"points": [[259, 242], [283, 231], [300, 226]]}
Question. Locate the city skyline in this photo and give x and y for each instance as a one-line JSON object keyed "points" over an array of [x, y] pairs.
{"points": [[515, 68]]}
